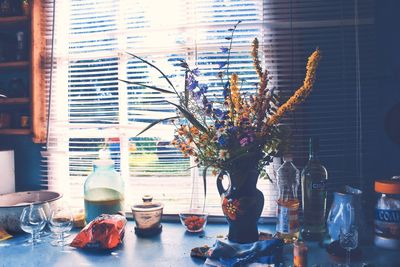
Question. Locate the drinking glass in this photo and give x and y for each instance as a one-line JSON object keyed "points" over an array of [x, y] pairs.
{"points": [[348, 240], [61, 221], [33, 220], [47, 211]]}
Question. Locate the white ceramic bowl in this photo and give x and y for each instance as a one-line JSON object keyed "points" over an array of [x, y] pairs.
{"points": [[11, 206]]}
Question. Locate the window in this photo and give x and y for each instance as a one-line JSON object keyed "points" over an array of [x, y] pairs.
{"points": [[90, 106]]}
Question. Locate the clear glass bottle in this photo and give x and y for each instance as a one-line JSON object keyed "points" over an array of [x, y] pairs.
{"points": [[288, 179], [20, 52], [103, 189], [313, 180]]}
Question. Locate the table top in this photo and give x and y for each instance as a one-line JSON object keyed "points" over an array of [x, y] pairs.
{"points": [[170, 248]]}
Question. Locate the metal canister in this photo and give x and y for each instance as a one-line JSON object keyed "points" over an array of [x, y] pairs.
{"points": [[387, 213], [300, 254]]}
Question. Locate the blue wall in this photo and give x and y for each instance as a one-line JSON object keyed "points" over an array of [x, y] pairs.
{"points": [[386, 159]]}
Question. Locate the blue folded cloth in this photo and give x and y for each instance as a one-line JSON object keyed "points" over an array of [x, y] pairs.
{"points": [[234, 255]]}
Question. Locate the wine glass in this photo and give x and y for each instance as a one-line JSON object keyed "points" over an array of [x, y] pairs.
{"points": [[61, 221], [33, 220], [47, 210], [348, 240]]}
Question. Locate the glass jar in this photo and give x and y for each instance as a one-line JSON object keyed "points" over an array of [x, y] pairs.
{"points": [[103, 189], [387, 213], [147, 217]]}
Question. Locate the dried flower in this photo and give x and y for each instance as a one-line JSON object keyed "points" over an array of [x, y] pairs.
{"points": [[301, 93]]}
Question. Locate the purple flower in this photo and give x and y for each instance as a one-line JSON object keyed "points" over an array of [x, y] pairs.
{"points": [[196, 71], [233, 129], [222, 140], [244, 141], [224, 49], [219, 125], [208, 108], [225, 93], [226, 85], [218, 112], [221, 64], [191, 83], [203, 88], [197, 95]]}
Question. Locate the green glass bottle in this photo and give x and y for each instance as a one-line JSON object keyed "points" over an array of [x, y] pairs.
{"points": [[313, 180]]}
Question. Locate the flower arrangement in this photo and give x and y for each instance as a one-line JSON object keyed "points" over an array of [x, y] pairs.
{"points": [[241, 126]]}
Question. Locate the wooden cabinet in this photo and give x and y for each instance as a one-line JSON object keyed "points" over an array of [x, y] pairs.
{"points": [[18, 108]]}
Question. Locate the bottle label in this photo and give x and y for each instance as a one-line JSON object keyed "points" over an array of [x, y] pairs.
{"points": [[318, 186], [392, 216], [288, 220], [387, 223]]}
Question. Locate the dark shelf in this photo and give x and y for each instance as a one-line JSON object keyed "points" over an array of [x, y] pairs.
{"points": [[15, 131], [12, 20], [14, 64], [14, 101]]}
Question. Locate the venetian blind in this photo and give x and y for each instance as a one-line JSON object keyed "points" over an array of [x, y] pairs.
{"points": [[89, 106]]}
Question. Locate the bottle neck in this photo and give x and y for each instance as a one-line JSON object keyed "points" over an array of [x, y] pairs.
{"points": [[313, 149], [313, 155], [102, 167]]}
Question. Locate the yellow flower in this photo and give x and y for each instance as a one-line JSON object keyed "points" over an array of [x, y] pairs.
{"points": [[235, 95], [301, 93], [256, 61]]}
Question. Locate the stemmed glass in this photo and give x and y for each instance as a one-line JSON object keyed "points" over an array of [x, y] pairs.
{"points": [[348, 240], [348, 236], [33, 220], [61, 221], [46, 208]]}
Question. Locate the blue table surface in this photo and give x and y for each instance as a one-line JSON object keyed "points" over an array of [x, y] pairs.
{"points": [[171, 248]]}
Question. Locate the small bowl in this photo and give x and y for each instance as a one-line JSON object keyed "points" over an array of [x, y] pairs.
{"points": [[193, 220]]}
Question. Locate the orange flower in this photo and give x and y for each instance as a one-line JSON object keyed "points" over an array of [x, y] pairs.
{"points": [[231, 208], [256, 61], [301, 93], [194, 130]]}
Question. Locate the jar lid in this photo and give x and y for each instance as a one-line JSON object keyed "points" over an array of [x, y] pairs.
{"points": [[388, 186], [147, 205]]}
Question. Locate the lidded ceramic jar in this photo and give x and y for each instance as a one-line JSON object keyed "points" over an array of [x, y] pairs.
{"points": [[147, 216]]}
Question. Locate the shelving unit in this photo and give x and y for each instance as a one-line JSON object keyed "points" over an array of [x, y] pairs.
{"points": [[17, 105]]}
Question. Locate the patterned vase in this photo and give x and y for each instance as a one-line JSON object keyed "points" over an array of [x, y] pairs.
{"points": [[242, 202]]}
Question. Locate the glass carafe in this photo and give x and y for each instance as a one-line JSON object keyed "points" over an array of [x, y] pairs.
{"points": [[104, 189]]}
